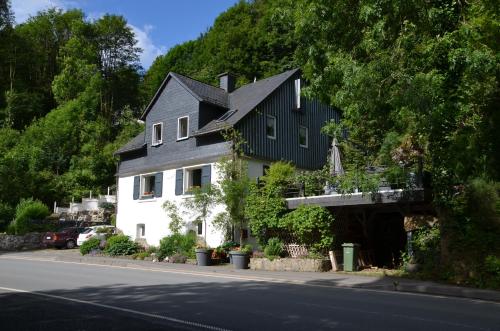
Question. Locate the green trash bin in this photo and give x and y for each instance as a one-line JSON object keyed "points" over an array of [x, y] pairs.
{"points": [[350, 256]]}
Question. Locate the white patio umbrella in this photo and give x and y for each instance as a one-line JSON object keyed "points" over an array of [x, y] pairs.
{"points": [[335, 162]]}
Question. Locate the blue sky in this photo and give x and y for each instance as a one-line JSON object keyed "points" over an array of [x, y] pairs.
{"points": [[158, 24]]}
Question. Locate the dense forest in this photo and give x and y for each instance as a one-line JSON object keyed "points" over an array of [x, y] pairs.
{"points": [[417, 83]]}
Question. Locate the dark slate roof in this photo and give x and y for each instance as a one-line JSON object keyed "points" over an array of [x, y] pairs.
{"points": [[136, 143], [201, 91], [205, 92], [212, 126], [245, 99]]}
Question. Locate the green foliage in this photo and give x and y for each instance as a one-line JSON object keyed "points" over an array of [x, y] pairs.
{"points": [[312, 226], [141, 255], [426, 248], [6, 215], [177, 243], [246, 249], [90, 245], [492, 271], [112, 219], [176, 222], [27, 212], [274, 248], [121, 245], [265, 205], [232, 186]]}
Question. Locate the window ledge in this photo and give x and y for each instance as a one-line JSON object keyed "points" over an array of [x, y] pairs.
{"points": [[157, 144], [184, 138], [304, 146], [141, 200]]}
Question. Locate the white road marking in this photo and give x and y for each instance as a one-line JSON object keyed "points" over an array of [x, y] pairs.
{"points": [[126, 310]]}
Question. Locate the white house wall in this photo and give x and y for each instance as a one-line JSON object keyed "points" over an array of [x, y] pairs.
{"points": [[150, 212]]}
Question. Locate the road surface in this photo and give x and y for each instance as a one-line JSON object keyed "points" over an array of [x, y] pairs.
{"points": [[54, 295]]}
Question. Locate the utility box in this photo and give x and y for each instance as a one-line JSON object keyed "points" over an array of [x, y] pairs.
{"points": [[350, 256]]}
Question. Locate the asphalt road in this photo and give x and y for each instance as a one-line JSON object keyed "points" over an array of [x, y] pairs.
{"points": [[43, 295]]}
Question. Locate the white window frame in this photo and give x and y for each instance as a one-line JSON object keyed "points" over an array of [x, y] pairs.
{"points": [[155, 142], [274, 126], [179, 128], [140, 231], [297, 93], [143, 186], [188, 179], [307, 136]]}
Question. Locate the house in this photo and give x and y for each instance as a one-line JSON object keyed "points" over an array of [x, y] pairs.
{"points": [[182, 141]]}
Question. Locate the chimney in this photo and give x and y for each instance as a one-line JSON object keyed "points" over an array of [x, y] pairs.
{"points": [[227, 82]]}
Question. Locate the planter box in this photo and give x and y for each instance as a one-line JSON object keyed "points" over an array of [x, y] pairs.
{"points": [[290, 264]]}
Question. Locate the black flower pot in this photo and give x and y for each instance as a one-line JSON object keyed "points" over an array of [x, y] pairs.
{"points": [[240, 260], [203, 256]]}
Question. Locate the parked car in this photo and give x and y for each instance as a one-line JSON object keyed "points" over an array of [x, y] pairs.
{"points": [[91, 232], [67, 237]]}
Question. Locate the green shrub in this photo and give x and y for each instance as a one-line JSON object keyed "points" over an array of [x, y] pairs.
{"points": [[426, 247], [121, 245], [27, 212], [312, 226], [177, 243], [491, 272], [89, 245], [152, 249], [141, 255], [112, 219], [6, 215], [274, 248], [247, 249]]}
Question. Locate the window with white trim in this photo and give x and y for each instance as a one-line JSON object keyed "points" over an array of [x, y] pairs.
{"points": [[297, 93], [140, 231], [193, 179], [148, 185], [157, 134], [199, 228], [183, 128], [303, 136], [271, 127]]}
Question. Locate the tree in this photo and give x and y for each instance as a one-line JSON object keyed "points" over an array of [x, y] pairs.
{"points": [[234, 182]]}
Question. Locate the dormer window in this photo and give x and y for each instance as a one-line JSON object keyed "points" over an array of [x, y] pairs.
{"points": [[297, 94], [183, 128], [157, 134]]}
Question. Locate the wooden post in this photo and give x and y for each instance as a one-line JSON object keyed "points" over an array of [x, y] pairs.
{"points": [[333, 260]]}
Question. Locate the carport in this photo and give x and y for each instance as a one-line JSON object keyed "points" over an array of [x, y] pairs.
{"points": [[377, 222]]}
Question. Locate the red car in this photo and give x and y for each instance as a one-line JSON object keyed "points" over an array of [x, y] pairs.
{"points": [[64, 238]]}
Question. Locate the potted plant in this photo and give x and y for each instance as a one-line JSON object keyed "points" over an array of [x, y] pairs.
{"points": [[203, 255], [241, 257], [229, 246]]}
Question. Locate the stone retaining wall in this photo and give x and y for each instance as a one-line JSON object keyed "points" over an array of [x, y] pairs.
{"points": [[16, 243], [290, 264]]}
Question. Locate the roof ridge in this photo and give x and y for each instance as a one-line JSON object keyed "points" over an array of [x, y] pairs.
{"points": [[196, 80], [267, 78]]}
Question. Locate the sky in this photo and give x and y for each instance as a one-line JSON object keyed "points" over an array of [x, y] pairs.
{"points": [[158, 24]]}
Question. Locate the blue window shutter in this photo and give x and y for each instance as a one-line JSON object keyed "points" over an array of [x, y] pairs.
{"points": [[206, 174], [179, 179], [158, 184], [137, 187]]}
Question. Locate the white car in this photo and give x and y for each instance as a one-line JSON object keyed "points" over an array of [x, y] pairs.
{"points": [[91, 232]]}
